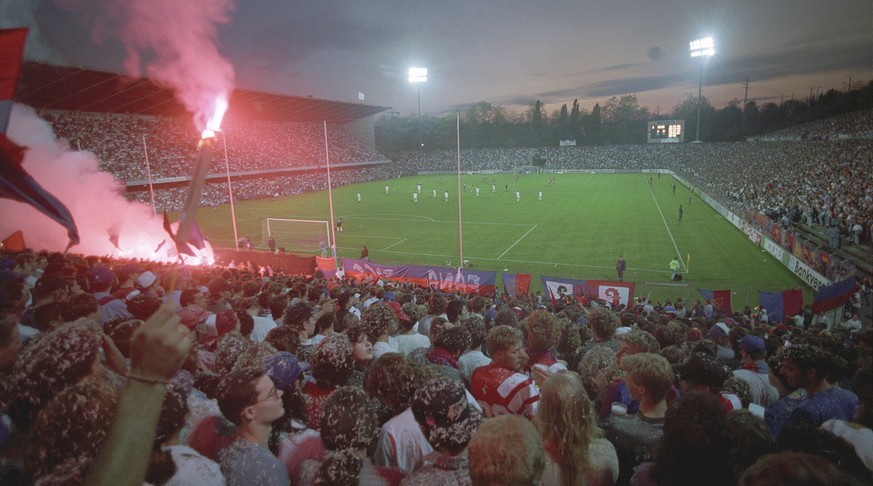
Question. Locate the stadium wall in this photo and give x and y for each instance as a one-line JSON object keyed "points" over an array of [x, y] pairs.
{"points": [[804, 272]]}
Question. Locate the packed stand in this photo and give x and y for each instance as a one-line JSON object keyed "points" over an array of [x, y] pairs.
{"points": [[120, 141], [139, 372]]}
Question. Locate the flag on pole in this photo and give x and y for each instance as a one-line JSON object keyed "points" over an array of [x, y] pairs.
{"points": [[780, 305], [832, 296], [516, 284], [721, 299], [14, 242]]}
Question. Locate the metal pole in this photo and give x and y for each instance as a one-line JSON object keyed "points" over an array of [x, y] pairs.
{"points": [[419, 116], [460, 215], [331, 243], [145, 150], [699, 98], [230, 193]]}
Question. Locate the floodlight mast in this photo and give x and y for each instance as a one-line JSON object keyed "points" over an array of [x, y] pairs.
{"points": [[702, 48], [418, 75]]}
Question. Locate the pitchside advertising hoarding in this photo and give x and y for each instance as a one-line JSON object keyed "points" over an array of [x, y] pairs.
{"points": [[666, 131]]}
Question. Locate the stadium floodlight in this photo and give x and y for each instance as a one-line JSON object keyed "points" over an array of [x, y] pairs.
{"points": [[418, 75], [702, 48]]}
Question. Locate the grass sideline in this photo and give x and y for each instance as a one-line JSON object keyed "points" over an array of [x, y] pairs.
{"points": [[578, 230]]}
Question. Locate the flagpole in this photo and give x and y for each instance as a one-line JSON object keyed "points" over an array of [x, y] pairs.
{"points": [[329, 195], [460, 216], [145, 150], [230, 192]]}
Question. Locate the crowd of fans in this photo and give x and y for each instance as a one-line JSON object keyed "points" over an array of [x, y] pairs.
{"points": [[172, 199], [120, 143], [818, 180], [125, 372]]}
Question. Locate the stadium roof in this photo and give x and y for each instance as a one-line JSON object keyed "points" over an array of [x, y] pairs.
{"points": [[64, 88]]}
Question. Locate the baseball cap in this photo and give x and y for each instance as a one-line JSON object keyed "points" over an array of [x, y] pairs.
{"points": [[146, 279], [753, 344], [719, 330]]}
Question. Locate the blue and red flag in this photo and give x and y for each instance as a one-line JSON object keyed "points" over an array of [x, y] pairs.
{"points": [[15, 182], [780, 305], [444, 279], [516, 284], [832, 296], [721, 299]]}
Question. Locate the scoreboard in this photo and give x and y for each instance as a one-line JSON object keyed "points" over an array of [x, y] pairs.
{"points": [[666, 131]]}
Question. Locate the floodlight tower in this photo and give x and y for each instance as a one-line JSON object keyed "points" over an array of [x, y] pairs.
{"points": [[418, 75], [702, 48]]}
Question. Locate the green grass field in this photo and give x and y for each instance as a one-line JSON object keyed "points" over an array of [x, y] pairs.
{"points": [[578, 230]]}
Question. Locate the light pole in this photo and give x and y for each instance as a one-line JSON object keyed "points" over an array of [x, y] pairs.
{"points": [[418, 75], [701, 48]]}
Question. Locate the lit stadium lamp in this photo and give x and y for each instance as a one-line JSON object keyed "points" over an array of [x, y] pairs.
{"points": [[702, 48], [418, 75]]}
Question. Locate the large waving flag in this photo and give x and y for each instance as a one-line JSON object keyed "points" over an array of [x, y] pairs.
{"points": [[15, 182], [516, 284], [721, 299], [832, 296], [780, 305], [444, 279]]}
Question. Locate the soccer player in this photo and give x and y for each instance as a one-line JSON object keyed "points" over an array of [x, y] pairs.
{"points": [[386, 189], [540, 195], [359, 197], [517, 196], [447, 196], [680, 213], [339, 225], [477, 191], [415, 197], [419, 187], [434, 192]]}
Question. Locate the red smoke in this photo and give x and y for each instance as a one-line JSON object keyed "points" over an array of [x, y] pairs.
{"points": [[173, 42]]}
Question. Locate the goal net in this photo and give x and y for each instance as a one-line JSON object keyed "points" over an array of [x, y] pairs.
{"points": [[526, 169], [296, 235]]}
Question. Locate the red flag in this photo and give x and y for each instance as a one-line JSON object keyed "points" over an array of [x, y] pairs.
{"points": [[14, 242], [792, 302], [11, 50]]}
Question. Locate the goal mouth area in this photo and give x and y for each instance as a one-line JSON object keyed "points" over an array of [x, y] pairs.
{"points": [[296, 235]]}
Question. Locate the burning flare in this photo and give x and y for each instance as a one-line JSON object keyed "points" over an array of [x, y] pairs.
{"points": [[214, 123]]}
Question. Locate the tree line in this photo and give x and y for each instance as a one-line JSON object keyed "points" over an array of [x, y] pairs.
{"points": [[621, 120]]}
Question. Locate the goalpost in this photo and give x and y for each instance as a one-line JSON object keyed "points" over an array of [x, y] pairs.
{"points": [[296, 235], [527, 169]]}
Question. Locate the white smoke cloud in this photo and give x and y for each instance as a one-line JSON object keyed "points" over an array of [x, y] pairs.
{"points": [[94, 198]]}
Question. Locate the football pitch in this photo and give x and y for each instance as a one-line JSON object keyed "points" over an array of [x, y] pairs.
{"points": [[578, 230]]}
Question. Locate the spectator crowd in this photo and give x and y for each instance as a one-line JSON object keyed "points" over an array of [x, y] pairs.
{"points": [[132, 372]]}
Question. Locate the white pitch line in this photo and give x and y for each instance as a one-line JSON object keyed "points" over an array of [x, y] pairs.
{"points": [[394, 244], [669, 233], [516, 241]]}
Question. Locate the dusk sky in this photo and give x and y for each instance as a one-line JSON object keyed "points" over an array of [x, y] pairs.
{"points": [[508, 53]]}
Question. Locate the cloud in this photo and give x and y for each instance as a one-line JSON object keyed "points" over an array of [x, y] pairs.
{"points": [[655, 54]]}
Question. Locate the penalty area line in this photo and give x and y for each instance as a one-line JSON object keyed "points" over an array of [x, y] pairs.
{"points": [[394, 244], [516, 241]]}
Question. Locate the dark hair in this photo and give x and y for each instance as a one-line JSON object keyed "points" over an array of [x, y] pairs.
{"points": [[143, 306], [694, 427], [79, 305], [284, 338], [454, 309], [236, 391], [246, 323], [186, 298]]}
